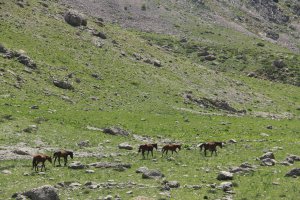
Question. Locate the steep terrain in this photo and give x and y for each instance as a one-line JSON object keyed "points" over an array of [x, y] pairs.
{"points": [[165, 71]]}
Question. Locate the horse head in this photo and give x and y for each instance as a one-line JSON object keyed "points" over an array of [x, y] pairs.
{"points": [[71, 154], [49, 158], [155, 146]]}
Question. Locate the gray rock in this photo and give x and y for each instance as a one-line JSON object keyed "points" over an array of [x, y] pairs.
{"points": [[152, 174], [293, 173], [116, 131], [30, 129], [125, 145], [226, 186], [6, 172], [210, 57], [109, 165], [84, 143], [142, 170], [74, 18], [100, 35], [3, 49], [156, 63], [223, 175], [76, 165], [46, 192], [25, 60], [63, 84], [173, 184], [89, 171], [232, 141], [267, 155], [268, 162], [273, 35]]}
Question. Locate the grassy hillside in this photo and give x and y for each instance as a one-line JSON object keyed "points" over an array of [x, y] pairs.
{"points": [[116, 85]]}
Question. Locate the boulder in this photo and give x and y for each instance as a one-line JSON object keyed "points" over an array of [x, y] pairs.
{"points": [[267, 155], [173, 184], [76, 165], [75, 18], [125, 145], [268, 162], [25, 60], [63, 84], [141, 170], [115, 131], [156, 63], [293, 173], [46, 192], [152, 174], [223, 175], [226, 186]]}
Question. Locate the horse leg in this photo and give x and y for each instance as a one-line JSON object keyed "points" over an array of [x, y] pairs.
{"points": [[65, 160], [152, 153], [54, 161], [59, 161], [205, 152]]}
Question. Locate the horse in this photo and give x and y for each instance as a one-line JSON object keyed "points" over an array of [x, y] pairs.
{"points": [[147, 147], [211, 146], [171, 147], [40, 158], [64, 154]]}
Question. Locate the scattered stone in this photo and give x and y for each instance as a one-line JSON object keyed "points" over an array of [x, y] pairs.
{"points": [[63, 84], [3, 49], [74, 18], [46, 192], [129, 192], [20, 152], [137, 56], [34, 107], [232, 141], [293, 157], [152, 174], [279, 63], [25, 60], [109, 165], [142, 170], [76, 165], [74, 185], [116, 131], [273, 35], [125, 145], [84, 143], [269, 127], [223, 175], [30, 129], [268, 162], [210, 57], [142, 198], [252, 74], [226, 186], [100, 35], [173, 184], [264, 135], [6, 172], [108, 197], [89, 171], [267, 155], [293, 173], [156, 63]]}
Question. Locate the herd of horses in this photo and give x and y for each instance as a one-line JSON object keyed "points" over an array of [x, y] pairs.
{"points": [[42, 158]]}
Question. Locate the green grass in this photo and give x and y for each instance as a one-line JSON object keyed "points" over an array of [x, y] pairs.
{"points": [[144, 100]]}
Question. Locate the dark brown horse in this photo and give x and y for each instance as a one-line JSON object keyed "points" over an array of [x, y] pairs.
{"points": [[147, 147], [171, 147], [211, 146], [64, 154], [40, 158]]}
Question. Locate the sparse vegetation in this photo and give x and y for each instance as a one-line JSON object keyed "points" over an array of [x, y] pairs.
{"points": [[117, 85]]}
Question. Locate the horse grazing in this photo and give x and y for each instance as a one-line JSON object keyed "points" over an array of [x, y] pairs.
{"points": [[171, 147], [147, 147], [40, 158], [211, 146], [64, 154]]}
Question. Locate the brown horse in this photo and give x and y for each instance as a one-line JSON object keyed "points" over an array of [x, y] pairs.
{"points": [[211, 146], [147, 147], [40, 158], [171, 147], [64, 154]]}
